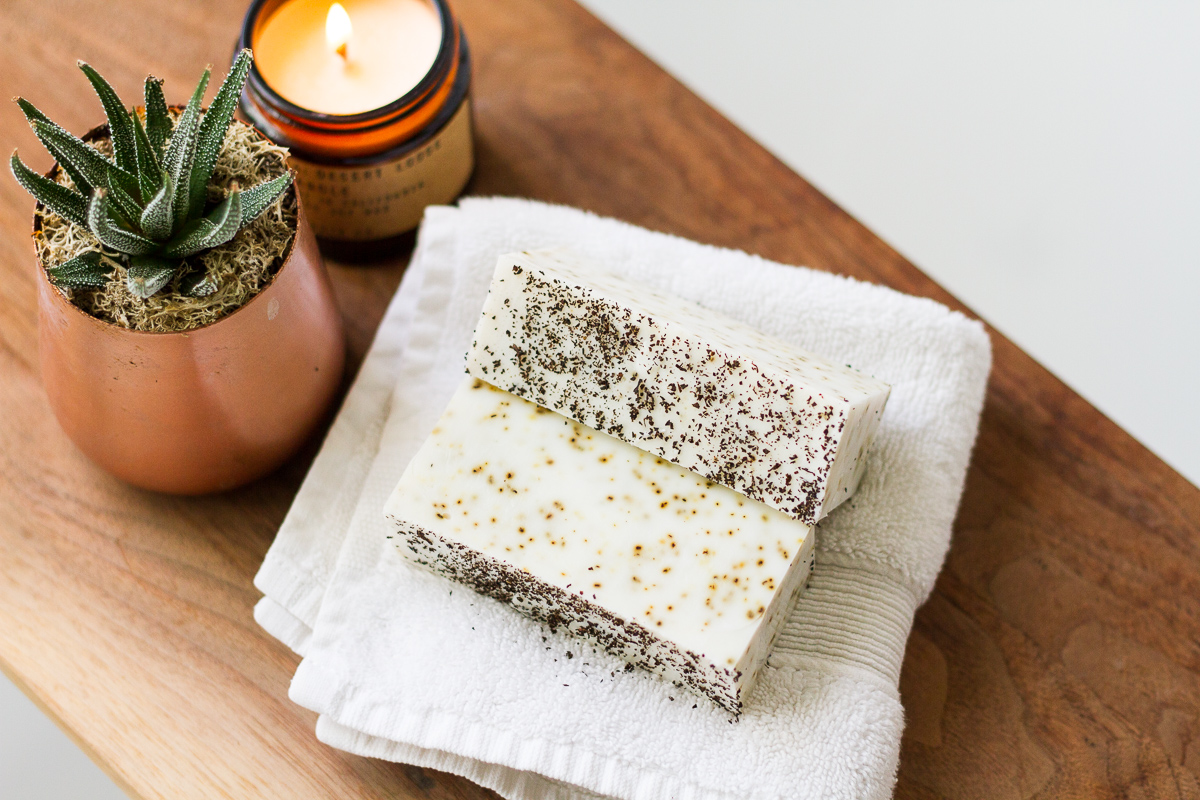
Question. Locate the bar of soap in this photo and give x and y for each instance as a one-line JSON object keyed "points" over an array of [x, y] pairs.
{"points": [[651, 562], [777, 424]]}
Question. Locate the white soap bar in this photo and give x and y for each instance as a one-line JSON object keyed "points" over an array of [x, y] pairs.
{"points": [[653, 563], [704, 391]]}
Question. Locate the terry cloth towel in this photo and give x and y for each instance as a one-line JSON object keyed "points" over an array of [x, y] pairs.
{"points": [[403, 665]]}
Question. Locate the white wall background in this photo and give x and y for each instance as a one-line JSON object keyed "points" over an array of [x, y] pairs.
{"points": [[1039, 158], [38, 761]]}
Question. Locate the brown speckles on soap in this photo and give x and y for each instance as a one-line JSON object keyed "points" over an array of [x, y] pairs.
{"points": [[584, 522], [676, 380]]}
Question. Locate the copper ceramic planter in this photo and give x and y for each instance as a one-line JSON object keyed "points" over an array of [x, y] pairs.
{"points": [[207, 409]]}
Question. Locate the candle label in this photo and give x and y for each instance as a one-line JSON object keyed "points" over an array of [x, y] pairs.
{"points": [[368, 202]]}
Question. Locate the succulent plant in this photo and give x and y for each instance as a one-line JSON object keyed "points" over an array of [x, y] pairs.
{"points": [[148, 204]]}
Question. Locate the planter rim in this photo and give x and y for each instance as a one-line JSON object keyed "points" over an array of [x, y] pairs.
{"points": [[60, 300]]}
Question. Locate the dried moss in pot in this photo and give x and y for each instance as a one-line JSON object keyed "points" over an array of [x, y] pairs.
{"points": [[148, 226], [238, 270]]}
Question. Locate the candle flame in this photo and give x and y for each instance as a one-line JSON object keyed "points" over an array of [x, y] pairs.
{"points": [[338, 29]]}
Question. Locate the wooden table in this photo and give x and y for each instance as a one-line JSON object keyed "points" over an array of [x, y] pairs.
{"points": [[1058, 657]]}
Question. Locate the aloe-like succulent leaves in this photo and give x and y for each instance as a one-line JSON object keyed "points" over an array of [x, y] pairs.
{"points": [[101, 222], [68, 204], [123, 201], [86, 166], [256, 199], [211, 137], [33, 115], [148, 202], [147, 274], [82, 156], [120, 127], [197, 283], [85, 271], [181, 151], [149, 171], [221, 225], [158, 122], [158, 218]]}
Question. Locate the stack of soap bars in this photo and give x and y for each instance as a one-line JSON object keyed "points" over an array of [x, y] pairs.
{"points": [[635, 470]]}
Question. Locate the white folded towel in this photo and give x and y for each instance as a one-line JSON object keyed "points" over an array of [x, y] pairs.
{"points": [[406, 666]]}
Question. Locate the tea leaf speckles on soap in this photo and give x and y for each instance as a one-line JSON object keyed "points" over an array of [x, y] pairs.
{"points": [[580, 530], [780, 425]]}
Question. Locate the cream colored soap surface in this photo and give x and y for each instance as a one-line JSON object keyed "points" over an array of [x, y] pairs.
{"points": [[692, 561], [778, 424]]}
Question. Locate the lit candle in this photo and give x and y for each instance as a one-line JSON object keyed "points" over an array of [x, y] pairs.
{"points": [[351, 58], [372, 98], [338, 29]]}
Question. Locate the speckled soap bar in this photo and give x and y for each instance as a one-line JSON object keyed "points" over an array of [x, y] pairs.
{"points": [[656, 564], [701, 390]]}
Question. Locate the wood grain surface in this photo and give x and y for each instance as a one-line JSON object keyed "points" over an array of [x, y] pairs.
{"points": [[1059, 656]]}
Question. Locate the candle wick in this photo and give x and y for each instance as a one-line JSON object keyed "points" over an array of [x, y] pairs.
{"points": [[341, 50]]}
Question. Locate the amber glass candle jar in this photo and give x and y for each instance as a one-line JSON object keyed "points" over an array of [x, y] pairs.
{"points": [[366, 177]]}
